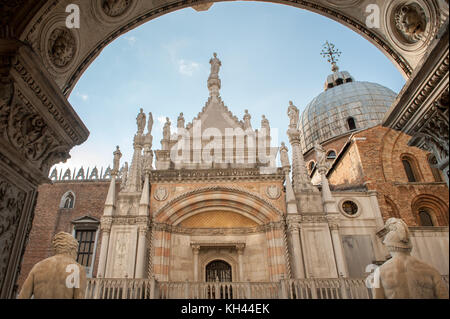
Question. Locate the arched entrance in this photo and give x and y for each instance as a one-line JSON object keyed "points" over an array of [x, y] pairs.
{"points": [[218, 270]]}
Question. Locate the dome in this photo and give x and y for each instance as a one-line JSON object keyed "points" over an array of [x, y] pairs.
{"points": [[346, 105]]}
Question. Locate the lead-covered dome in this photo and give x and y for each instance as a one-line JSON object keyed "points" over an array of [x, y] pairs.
{"points": [[345, 106]]}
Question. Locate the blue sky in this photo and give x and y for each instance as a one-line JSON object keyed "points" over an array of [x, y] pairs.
{"points": [[270, 54]]}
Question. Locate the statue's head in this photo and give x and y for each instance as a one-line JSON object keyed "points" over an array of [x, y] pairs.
{"points": [[65, 244], [397, 237]]}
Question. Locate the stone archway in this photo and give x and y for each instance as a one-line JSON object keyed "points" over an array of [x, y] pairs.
{"points": [[107, 22], [41, 61]]}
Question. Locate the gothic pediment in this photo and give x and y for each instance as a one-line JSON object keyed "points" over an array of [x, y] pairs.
{"points": [[86, 220], [216, 115]]}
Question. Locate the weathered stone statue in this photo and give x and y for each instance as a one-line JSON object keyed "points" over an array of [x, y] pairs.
{"points": [[117, 155], [140, 120], [265, 125], [150, 123], [57, 277], [404, 276], [293, 114], [284, 157], [247, 120], [124, 175], [180, 122], [320, 155], [215, 66], [166, 129]]}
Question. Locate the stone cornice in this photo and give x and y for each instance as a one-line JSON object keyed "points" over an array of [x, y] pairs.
{"points": [[415, 100], [214, 174]]}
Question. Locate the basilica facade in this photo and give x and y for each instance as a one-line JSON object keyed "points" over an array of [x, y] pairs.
{"points": [[213, 204]]}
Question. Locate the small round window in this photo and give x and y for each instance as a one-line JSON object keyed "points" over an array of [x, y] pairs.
{"points": [[350, 207]]}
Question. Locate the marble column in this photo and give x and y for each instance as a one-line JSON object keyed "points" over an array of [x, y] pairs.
{"points": [[240, 251], [297, 255], [38, 128], [338, 250], [195, 250], [141, 252], [106, 231]]}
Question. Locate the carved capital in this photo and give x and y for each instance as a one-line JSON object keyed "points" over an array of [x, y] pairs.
{"points": [[38, 126]]}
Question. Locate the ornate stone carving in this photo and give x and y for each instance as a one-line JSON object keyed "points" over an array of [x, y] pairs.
{"points": [[115, 8], [12, 200], [117, 155], [61, 47], [27, 132], [180, 121], [6, 90], [410, 21], [161, 193], [273, 192]]}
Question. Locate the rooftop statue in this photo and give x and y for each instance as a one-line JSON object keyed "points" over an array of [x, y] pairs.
{"points": [[180, 121], [166, 129], [215, 66], [284, 157], [293, 114], [150, 123], [57, 277], [247, 120], [140, 120], [404, 276], [265, 125], [117, 155]]}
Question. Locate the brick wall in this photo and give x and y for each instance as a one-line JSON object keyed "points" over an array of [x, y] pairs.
{"points": [[380, 168], [50, 219]]}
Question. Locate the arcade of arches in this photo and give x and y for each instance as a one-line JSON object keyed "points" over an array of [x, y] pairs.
{"points": [[41, 61]]}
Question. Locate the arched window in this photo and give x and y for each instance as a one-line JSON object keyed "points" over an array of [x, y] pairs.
{"points": [[410, 169], [351, 123], [331, 155], [68, 200], [218, 270], [425, 218]]}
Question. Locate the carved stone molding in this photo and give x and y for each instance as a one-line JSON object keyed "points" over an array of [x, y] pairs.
{"points": [[273, 192], [38, 127], [12, 201], [411, 22], [62, 47], [314, 219], [115, 8], [217, 188], [161, 193], [214, 174], [124, 22]]}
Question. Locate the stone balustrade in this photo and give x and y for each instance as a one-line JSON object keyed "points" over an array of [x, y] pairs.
{"points": [[99, 288], [335, 288]]}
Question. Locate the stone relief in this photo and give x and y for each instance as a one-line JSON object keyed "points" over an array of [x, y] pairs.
{"points": [[12, 200], [28, 133], [411, 22], [273, 192], [61, 47], [161, 193], [115, 8]]}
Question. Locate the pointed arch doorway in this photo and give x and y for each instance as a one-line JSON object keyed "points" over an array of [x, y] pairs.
{"points": [[218, 270]]}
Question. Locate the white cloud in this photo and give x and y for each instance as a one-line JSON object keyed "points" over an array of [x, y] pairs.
{"points": [[84, 97], [131, 40], [187, 67]]}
